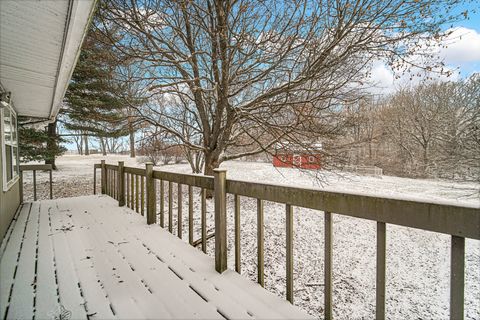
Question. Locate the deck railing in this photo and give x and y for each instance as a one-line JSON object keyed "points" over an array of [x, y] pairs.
{"points": [[139, 187], [34, 168]]}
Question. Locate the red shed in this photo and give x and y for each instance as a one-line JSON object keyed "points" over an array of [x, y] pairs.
{"points": [[304, 159]]}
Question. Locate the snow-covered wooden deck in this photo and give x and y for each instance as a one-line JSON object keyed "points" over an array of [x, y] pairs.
{"points": [[85, 257]]}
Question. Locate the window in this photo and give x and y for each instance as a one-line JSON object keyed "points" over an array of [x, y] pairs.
{"points": [[9, 146], [311, 159]]}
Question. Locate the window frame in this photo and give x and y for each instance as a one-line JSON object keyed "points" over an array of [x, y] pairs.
{"points": [[13, 143]]}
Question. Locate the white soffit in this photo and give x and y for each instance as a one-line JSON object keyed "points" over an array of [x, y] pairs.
{"points": [[39, 44]]}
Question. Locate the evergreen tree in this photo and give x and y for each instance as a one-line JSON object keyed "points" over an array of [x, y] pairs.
{"points": [[93, 102], [40, 144]]}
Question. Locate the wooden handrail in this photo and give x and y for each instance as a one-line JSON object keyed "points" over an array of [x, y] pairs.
{"points": [[459, 221], [449, 218]]}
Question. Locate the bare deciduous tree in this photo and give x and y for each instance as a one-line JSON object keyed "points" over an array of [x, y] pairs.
{"points": [[254, 73]]}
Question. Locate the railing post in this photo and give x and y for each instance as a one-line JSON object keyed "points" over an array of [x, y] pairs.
{"points": [[151, 216], [103, 177], [121, 184], [220, 194]]}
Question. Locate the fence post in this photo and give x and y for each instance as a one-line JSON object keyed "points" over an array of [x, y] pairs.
{"points": [[151, 216], [121, 184], [103, 176], [220, 194]]}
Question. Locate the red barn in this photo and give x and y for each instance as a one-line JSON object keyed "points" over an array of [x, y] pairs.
{"points": [[302, 159]]}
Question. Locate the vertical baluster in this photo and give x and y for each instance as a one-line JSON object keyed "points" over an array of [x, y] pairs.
{"points": [[121, 184], [94, 180], [127, 182], [179, 207], [21, 185], [289, 251], [137, 191], [142, 195], [238, 265], [190, 215], [457, 277], [328, 265], [170, 202], [51, 182], [34, 185], [162, 204], [381, 263], [112, 177], [132, 190], [204, 220], [150, 194], [103, 177], [110, 183], [260, 243]]}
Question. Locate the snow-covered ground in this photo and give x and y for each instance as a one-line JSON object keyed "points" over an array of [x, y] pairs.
{"points": [[418, 262]]}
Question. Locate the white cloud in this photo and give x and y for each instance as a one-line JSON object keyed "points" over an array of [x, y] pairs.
{"points": [[463, 45], [384, 81], [460, 51], [381, 78]]}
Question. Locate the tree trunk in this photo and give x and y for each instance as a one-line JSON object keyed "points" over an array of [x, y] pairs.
{"points": [[132, 138], [52, 144], [211, 162], [425, 161], [79, 143], [102, 144], [85, 139]]}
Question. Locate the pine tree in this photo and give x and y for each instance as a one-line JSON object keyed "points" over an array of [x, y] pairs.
{"points": [[40, 144], [93, 101]]}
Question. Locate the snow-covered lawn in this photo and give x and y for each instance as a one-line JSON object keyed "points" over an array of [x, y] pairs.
{"points": [[418, 262]]}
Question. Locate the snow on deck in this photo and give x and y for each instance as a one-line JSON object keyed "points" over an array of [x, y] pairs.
{"points": [[85, 257]]}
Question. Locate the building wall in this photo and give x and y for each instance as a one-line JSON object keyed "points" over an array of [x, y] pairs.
{"points": [[303, 161], [9, 201]]}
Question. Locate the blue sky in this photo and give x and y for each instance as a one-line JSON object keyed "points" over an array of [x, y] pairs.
{"points": [[472, 43], [461, 56]]}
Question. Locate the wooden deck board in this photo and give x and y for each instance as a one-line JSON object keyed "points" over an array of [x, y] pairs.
{"points": [[157, 276], [23, 292], [68, 284], [9, 259], [96, 260], [47, 300]]}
